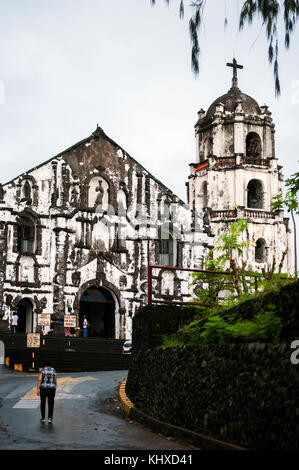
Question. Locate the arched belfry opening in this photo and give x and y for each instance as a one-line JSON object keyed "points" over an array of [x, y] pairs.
{"points": [[260, 251], [98, 305], [255, 194], [253, 146]]}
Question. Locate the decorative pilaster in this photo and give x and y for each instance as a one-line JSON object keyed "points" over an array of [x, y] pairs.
{"points": [[60, 272]]}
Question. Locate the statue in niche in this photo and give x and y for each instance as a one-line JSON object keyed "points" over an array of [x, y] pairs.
{"points": [[206, 218], [100, 195], [76, 278], [43, 303], [206, 223], [8, 300], [74, 198]]}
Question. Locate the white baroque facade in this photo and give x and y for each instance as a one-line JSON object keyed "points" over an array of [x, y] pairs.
{"points": [[77, 233]]}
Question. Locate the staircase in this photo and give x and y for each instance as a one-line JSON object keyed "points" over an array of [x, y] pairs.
{"points": [[66, 354]]}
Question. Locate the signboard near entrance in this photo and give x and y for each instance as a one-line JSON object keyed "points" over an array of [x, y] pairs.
{"points": [[33, 340], [44, 319], [70, 321]]}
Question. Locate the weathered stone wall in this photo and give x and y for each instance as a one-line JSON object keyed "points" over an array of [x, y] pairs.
{"points": [[85, 209], [246, 394], [243, 394], [152, 322]]}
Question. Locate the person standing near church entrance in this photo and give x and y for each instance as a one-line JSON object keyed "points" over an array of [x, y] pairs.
{"points": [[85, 327], [14, 321], [46, 389]]}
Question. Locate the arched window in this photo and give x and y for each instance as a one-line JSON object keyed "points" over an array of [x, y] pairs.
{"points": [[166, 207], [253, 146], [260, 251], [26, 236], [27, 190], [167, 249], [255, 196]]}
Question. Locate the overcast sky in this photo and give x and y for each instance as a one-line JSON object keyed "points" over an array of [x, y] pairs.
{"points": [[68, 65]]}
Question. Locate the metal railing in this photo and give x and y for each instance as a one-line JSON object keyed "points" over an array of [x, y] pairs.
{"points": [[243, 275], [172, 268]]}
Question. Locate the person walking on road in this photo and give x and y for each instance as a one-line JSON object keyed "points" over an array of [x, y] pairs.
{"points": [[46, 389]]}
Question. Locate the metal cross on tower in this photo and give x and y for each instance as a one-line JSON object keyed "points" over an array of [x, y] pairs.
{"points": [[235, 67]]}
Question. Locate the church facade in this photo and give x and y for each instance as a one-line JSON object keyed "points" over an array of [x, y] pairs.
{"points": [[77, 232]]}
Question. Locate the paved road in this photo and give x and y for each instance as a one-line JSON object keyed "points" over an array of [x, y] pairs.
{"points": [[87, 415]]}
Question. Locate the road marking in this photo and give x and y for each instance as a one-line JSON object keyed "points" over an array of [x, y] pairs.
{"points": [[70, 396], [65, 384], [26, 404], [31, 400], [31, 404]]}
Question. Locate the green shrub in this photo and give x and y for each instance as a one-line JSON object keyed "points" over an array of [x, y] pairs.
{"points": [[170, 341], [215, 330], [264, 327]]}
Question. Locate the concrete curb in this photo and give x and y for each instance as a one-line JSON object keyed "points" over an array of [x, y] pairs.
{"points": [[200, 441], [125, 402]]}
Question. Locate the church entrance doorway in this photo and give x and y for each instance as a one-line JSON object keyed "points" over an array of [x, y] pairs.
{"points": [[24, 312], [98, 305]]}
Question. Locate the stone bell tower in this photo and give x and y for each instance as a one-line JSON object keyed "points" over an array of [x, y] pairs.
{"points": [[237, 174]]}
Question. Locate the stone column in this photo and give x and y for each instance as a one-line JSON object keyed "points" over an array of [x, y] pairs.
{"points": [[3, 251], [60, 279]]}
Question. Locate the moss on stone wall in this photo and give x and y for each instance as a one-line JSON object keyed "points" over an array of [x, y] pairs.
{"points": [[246, 394], [285, 303]]}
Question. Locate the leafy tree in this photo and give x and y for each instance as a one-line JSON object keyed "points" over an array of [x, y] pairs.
{"points": [[228, 272], [210, 285], [269, 11], [291, 201], [228, 243], [230, 247]]}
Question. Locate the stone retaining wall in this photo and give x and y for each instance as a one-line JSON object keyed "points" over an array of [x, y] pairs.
{"points": [[246, 394]]}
